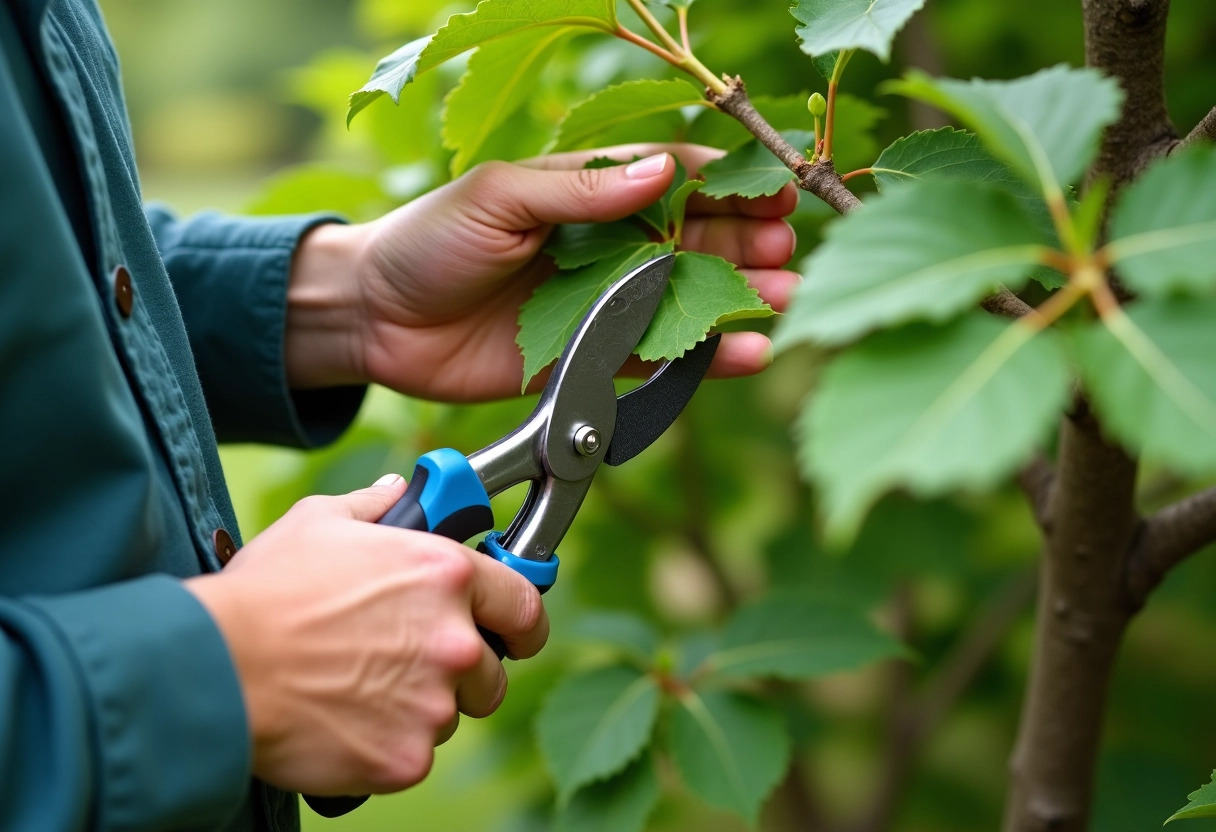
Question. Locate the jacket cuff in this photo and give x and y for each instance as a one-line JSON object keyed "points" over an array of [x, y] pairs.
{"points": [[230, 275], [172, 742]]}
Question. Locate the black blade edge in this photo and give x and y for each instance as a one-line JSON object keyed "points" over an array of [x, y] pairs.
{"points": [[644, 413]]}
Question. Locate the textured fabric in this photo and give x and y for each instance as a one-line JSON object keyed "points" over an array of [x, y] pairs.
{"points": [[119, 705]]}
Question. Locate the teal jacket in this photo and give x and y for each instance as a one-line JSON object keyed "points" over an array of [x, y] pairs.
{"points": [[129, 342]]}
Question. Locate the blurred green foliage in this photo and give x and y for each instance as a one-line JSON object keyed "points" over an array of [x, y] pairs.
{"points": [[241, 106]]}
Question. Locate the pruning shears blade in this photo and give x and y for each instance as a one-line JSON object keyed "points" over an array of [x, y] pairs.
{"points": [[646, 412]]}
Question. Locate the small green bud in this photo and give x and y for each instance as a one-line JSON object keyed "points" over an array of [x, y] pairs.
{"points": [[817, 104]]}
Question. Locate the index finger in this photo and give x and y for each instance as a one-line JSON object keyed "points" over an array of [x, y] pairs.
{"points": [[691, 156], [506, 603]]}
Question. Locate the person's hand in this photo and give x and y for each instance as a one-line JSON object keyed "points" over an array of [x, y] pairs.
{"points": [[356, 644], [431, 305]]}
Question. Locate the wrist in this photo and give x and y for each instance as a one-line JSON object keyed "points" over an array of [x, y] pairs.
{"points": [[322, 342], [220, 597]]}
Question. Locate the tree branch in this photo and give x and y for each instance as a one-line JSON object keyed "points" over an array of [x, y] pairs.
{"points": [[1167, 538], [1081, 619], [1007, 304], [1126, 40], [1204, 131], [819, 179]]}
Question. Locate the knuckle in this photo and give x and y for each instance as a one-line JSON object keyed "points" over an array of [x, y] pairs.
{"points": [[460, 649], [487, 175], [407, 766], [589, 183], [453, 570], [311, 506], [443, 712]]}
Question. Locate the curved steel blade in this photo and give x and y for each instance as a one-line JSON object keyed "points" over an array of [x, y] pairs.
{"points": [[644, 413], [580, 392]]}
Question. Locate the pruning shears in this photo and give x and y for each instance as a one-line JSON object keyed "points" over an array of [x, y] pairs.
{"points": [[579, 423]]}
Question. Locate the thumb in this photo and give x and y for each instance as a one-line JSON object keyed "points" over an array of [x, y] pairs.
{"points": [[370, 504], [527, 197]]}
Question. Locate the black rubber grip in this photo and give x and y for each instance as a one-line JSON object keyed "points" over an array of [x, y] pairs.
{"points": [[334, 807]]}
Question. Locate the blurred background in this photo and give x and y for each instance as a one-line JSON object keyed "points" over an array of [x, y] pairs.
{"points": [[241, 106]]}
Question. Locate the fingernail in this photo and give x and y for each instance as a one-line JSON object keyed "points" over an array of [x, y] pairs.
{"points": [[388, 479], [648, 167], [766, 357]]}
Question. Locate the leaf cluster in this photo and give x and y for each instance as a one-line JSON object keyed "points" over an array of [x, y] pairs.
{"points": [[695, 702]]}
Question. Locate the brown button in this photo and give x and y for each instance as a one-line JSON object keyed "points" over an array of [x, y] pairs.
{"points": [[124, 291], [224, 547]]}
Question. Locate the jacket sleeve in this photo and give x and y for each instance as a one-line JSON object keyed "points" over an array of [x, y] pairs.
{"points": [[114, 724], [120, 708], [230, 277]]}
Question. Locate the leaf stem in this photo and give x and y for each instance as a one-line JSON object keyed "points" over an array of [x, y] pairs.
{"points": [[1052, 309], [682, 16], [636, 39], [681, 57], [853, 173], [655, 26], [830, 125]]}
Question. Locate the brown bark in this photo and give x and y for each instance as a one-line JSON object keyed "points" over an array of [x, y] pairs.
{"points": [[820, 178], [1079, 624], [1084, 604], [1204, 131]]}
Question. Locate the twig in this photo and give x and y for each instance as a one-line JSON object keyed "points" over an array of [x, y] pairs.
{"points": [[1007, 304], [1167, 539], [819, 179], [1204, 131]]}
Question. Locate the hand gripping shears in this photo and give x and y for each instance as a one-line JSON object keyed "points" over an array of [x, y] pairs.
{"points": [[578, 423]]}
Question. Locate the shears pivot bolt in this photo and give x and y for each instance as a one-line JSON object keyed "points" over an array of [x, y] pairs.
{"points": [[587, 440]]}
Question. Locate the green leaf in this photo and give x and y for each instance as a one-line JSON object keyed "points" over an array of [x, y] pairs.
{"points": [[620, 804], [577, 245], [797, 637], [931, 409], [492, 19], [547, 320], [925, 251], [752, 170], [390, 76], [829, 25], [629, 633], [1163, 229], [1152, 378], [678, 204], [825, 64], [500, 77], [730, 749], [704, 290], [1045, 125], [658, 215], [945, 153], [672, 4], [499, 18], [592, 725], [623, 102], [1202, 803]]}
